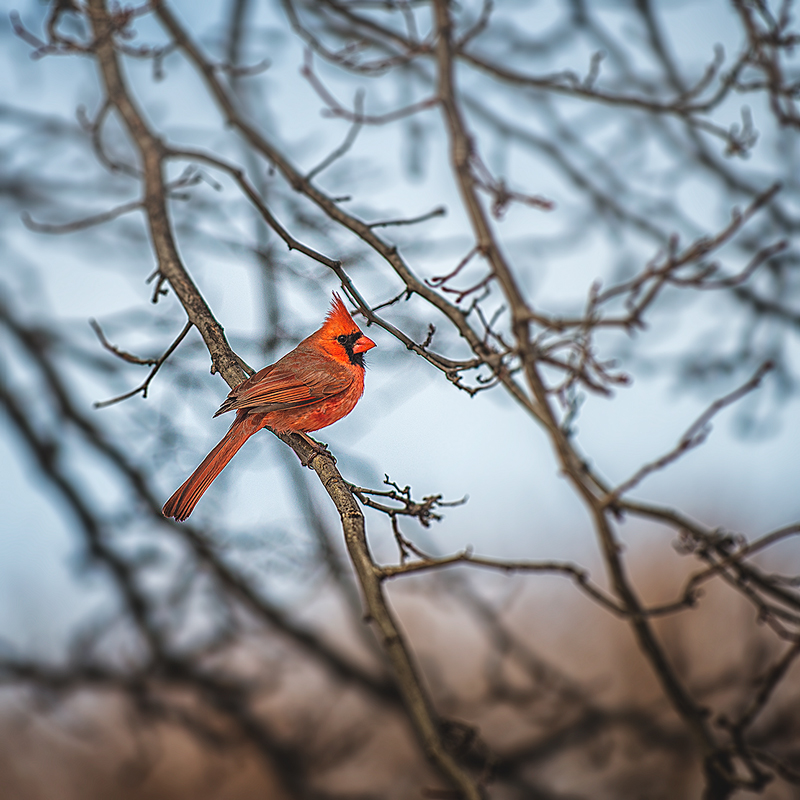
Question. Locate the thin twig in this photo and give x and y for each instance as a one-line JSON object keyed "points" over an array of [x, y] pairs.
{"points": [[156, 366], [579, 575], [694, 436], [349, 140]]}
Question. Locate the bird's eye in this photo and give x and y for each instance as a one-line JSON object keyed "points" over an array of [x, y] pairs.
{"points": [[342, 339]]}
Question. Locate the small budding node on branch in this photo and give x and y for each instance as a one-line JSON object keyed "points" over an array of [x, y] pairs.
{"points": [[422, 510]]}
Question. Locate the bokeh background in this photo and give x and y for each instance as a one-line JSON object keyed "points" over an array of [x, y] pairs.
{"points": [[564, 703]]}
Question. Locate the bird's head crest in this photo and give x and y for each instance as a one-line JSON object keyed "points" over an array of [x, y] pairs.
{"points": [[339, 319]]}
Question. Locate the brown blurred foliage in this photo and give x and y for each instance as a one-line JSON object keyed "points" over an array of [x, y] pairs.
{"points": [[555, 684]]}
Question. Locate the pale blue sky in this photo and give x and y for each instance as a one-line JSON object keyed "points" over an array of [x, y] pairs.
{"points": [[411, 423]]}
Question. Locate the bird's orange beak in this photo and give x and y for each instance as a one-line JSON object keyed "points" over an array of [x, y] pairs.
{"points": [[363, 344]]}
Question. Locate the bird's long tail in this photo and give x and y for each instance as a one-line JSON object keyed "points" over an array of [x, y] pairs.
{"points": [[182, 503]]}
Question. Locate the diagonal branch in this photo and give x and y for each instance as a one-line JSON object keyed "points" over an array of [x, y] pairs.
{"points": [[419, 707], [694, 436], [143, 387]]}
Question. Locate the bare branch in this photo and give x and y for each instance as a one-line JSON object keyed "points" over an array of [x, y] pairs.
{"points": [[579, 575], [127, 357], [694, 436], [349, 141], [80, 224]]}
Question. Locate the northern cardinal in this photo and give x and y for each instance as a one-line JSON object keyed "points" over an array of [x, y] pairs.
{"points": [[312, 387]]}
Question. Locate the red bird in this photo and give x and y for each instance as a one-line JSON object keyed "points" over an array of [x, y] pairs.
{"points": [[312, 387]]}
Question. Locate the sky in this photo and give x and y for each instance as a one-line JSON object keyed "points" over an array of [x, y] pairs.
{"points": [[411, 424]]}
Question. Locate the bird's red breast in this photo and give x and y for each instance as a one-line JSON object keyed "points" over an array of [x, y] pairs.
{"points": [[315, 385]]}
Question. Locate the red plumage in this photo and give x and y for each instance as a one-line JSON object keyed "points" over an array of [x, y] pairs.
{"points": [[315, 385]]}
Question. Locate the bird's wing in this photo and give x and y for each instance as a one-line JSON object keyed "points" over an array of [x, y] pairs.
{"points": [[284, 386]]}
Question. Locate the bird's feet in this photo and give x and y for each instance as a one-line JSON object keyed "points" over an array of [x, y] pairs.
{"points": [[320, 448]]}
